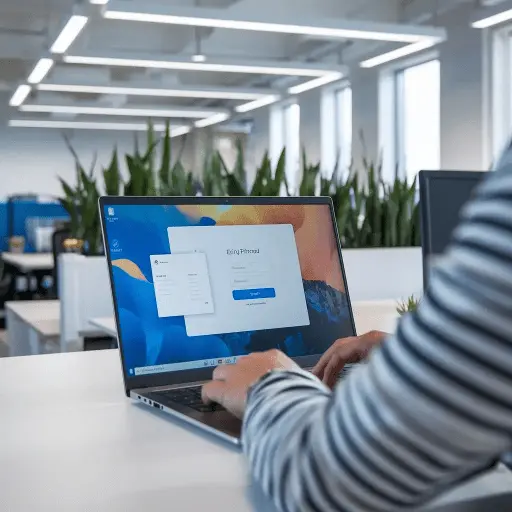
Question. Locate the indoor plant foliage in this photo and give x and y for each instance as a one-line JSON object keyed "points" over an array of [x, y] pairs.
{"points": [[369, 212], [408, 306]]}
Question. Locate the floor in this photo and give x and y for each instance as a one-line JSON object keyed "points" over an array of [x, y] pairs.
{"points": [[4, 349]]}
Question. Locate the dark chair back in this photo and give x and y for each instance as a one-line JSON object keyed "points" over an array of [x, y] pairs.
{"points": [[57, 248]]}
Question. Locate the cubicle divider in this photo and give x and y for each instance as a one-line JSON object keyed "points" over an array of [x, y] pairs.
{"points": [[15, 214], [84, 291]]}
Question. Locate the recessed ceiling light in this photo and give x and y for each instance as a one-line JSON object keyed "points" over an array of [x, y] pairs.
{"points": [[217, 118], [495, 19], [347, 30], [290, 70], [41, 69], [20, 95], [221, 93], [69, 33], [111, 111], [398, 54]]}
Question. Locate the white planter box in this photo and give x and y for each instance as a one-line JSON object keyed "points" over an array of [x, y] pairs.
{"points": [[381, 274], [84, 291]]}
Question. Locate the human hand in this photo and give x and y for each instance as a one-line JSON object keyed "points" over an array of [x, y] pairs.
{"points": [[231, 383], [345, 351]]}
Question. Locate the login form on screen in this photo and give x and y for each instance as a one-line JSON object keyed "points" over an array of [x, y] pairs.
{"points": [[199, 285], [242, 265]]}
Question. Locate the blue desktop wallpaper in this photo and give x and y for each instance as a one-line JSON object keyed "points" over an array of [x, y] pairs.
{"points": [[134, 232]]}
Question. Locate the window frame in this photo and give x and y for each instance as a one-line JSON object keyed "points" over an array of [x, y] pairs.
{"points": [[278, 132], [391, 114], [330, 127]]}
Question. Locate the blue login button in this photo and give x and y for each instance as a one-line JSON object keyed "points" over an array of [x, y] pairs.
{"points": [[256, 293]]}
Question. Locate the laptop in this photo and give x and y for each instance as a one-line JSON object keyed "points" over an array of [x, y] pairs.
{"points": [[198, 282]]}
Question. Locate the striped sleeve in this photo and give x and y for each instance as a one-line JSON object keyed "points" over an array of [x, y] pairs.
{"points": [[433, 403]]}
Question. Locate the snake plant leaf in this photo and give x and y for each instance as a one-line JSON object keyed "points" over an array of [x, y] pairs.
{"points": [[164, 172], [279, 180], [112, 176], [239, 170]]}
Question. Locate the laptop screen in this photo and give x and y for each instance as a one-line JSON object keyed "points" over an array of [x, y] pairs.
{"points": [[200, 285]]}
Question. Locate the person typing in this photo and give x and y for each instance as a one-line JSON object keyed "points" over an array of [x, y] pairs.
{"points": [[433, 403]]}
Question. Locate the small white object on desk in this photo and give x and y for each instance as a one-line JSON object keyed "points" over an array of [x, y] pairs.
{"points": [[29, 262]]}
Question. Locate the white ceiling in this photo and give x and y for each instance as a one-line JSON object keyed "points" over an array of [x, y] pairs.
{"points": [[29, 27]]}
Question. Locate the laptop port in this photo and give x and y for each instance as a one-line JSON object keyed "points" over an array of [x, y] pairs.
{"points": [[156, 405]]}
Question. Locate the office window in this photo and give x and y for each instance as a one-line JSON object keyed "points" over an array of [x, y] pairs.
{"points": [[285, 133], [418, 119], [336, 129]]}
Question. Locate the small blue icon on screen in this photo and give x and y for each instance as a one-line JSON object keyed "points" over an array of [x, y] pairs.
{"points": [[131, 371], [111, 211]]}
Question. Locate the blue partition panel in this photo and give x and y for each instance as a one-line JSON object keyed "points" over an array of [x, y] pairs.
{"points": [[23, 210]]}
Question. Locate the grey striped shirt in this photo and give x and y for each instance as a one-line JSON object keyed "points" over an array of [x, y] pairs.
{"points": [[434, 402]]}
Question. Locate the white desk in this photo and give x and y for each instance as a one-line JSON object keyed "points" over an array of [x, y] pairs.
{"points": [[105, 325], [33, 326], [70, 440], [27, 263], [368, 316]]}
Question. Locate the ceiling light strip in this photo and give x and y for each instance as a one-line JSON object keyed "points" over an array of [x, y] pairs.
{"points": [[41, 69], [398, 54], [110, 111], [142, 91], [20, 95], [196, 66], [69, 33], [258, 26], [493, 20], [317, 82], [80, 125], [262, 102], [209, 121]]}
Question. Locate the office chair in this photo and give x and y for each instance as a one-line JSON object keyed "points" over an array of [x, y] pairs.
{"points": [[5, 290]]}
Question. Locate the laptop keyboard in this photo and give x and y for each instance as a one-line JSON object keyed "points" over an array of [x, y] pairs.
{"points": [[189, 397]]}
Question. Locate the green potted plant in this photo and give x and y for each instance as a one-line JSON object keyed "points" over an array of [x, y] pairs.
{"points": [[410, 305]]}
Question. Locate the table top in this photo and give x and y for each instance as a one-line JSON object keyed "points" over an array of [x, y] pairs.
{"points": [[368, 316], [105, 325], [28, 262], [42, 315], [109, 454]]}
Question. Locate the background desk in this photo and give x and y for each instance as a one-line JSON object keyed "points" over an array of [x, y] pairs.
{"points": [[70, 440], [27, 263], [32, 325]]}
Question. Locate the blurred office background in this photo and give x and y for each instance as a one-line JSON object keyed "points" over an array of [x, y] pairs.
{"points": [[373, 89]]}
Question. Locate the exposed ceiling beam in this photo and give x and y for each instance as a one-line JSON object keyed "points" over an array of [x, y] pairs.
{"points": [[331, 28]]}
